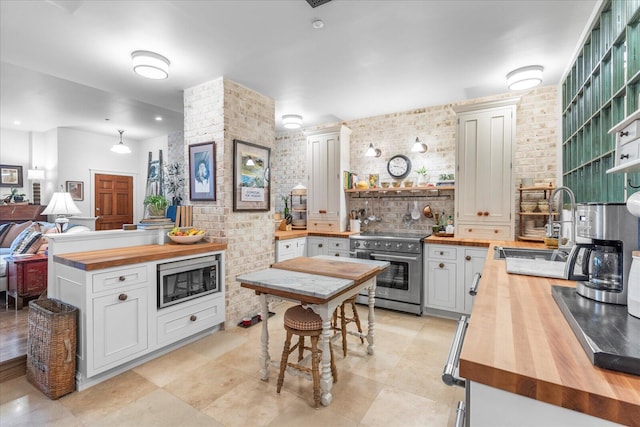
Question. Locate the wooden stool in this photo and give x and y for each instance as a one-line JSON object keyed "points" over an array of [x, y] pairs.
{"points": [[344, 321], [304, 323]]}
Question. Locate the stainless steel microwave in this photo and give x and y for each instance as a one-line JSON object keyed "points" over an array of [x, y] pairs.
{"points": [[181, 281]]}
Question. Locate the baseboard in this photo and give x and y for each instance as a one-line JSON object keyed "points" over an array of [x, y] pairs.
{"points": [[13, 368]]}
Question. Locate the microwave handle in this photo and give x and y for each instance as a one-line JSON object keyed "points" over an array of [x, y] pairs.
{"points": [[448, 373], [571, 264]]}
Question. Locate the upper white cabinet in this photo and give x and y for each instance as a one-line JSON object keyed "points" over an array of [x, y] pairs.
{"points": [[327, 158], [627, 144], [484, 157]]}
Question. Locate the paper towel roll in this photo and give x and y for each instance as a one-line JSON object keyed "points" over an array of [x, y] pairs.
{"points": [[633, 293], [633, 204]]}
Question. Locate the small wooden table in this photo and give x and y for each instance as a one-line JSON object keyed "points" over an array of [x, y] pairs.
{"points": [[27, 277], [321, 283]]}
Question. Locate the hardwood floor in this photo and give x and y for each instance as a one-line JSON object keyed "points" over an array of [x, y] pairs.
{"points": [[13, 339]]}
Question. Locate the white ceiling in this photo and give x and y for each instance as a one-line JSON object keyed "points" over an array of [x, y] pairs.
{"points": [[68, 63]]}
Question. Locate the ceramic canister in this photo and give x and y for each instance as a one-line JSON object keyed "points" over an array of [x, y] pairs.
{"points": [[633, 295]]}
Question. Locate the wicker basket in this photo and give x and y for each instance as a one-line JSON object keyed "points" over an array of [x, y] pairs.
{"points": [[51, 347]]}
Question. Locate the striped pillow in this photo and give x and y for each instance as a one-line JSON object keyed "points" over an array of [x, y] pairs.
{"points": [[4, 229], [27, 242]]}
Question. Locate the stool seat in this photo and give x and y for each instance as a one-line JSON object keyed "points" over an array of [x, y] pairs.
{"points": [[303, 322]]}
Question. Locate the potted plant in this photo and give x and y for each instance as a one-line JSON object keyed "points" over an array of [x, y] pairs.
{"points": [[13, 196], [157, 204], [423, 178]]}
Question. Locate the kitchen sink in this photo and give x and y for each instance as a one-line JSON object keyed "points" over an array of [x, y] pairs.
{"points": [[501, 252]]}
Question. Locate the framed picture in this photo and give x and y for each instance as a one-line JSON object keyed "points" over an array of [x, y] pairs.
{"points": [[154, 170], [250, 177], [202, 171], [10, 176], [76, 189]]}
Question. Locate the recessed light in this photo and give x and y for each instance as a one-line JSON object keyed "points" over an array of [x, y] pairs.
{"points": [[158, 119], [17, 122], [317, 23]]}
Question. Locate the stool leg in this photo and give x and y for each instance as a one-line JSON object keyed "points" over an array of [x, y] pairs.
{"points": [[315, 363], [301, 348], [283, 361], [357, 319], [343, 327]]}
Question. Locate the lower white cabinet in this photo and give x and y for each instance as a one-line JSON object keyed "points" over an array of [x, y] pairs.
{"points": [[290, 248], [449, 271], [332, 246]]}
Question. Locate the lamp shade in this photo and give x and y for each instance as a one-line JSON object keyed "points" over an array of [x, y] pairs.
{"points": [[419, 147], [35, 174], [525, 77], [372, 152], [61, 204]]}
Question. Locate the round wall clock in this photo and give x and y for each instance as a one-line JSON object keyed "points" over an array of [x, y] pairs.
{"points": [[399, 166]]}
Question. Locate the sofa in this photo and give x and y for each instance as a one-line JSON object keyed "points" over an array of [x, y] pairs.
{"points": [[26, 238]]}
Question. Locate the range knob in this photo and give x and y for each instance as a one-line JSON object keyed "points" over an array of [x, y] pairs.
{"points": [[367, 244], [410, 246], [376, 244], [398, 245], [387, 245]]}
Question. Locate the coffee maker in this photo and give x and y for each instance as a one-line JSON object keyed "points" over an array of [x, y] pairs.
{"points": [[600, 261]]}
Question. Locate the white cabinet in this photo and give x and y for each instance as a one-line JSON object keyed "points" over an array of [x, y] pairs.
{"points": [[333, 246], [627, 144], [290, 248], [449, 271], [485, 191], [327, 159]]}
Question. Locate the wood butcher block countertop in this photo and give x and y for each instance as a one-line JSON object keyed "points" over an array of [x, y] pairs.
{"points": [[293, 234], [106, 258], [519, 341]]}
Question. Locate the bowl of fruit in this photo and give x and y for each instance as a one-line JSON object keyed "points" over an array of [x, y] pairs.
{"points": [[186, 235]]}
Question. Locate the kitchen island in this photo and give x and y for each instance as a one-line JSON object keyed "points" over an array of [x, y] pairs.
{"points": [[519, 342]]}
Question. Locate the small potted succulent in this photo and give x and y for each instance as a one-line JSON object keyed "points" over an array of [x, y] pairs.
{"points": [[157, 205], [423, 178]]}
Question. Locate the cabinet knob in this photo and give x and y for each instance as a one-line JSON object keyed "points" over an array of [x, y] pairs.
{"points": [[623, 133], [485, 213], [320, 245], [470, 230], [193, 318], [337, 254], [468, 258], [479, 213], [441, 253], [496, 231], [624, 156], [122, 278], [441, 265], [287, 246], [322, 211], [122, 297]]}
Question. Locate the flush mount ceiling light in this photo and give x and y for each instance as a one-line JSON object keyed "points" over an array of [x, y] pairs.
{"points": [[120, 148], [525, 77], [150, 64], [292, 121], [419, 147], [373, 152], [317, 24]]}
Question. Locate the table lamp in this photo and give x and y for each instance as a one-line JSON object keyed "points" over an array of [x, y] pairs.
{"points": [[61, 205]]}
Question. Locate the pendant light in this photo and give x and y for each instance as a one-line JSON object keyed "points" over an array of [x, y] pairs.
{"points": [[120, 148], [419, 147], [373, 152]]}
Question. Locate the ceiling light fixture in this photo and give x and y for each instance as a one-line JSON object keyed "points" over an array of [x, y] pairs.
{"points": [[373, 152], [158, 118], [120, 148], [525, 77], [317, 24], [419, 147], [292, 121], [150, 64]]}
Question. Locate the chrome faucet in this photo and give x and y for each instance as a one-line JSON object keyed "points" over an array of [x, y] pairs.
{"points": [[572, 198]]}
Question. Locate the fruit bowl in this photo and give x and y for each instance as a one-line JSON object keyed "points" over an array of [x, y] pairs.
{"points": [[176, 235]]}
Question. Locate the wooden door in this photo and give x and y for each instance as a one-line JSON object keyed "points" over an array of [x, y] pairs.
{"points": [[113, 201]]}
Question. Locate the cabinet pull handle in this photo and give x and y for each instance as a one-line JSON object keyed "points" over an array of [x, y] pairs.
{"points": [[453, 359], [473, 290], [122, 278], [479, 213], [320, 245], [624, 156], [322, 211], [623, 133], [337, 254], [122, 297], [193, 318], [441, 265], [468, 258], [486, 214]]}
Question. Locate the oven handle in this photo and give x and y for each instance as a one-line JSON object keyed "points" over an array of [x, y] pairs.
{"points": [[394, 257], [448, 374]]}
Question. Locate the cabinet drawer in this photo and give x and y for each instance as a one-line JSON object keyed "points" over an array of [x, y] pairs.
{"points": [[629, 133], [338, 244], [629, 152], [189, 319], [487, 232], [323, 225], [116, 279], [442, 252]]}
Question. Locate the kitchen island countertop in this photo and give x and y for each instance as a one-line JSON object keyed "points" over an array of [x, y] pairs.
{"points": [[519, 341]]}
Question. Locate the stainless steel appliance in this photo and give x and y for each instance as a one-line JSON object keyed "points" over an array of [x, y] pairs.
{"points": [[181, 281], [601, 260], [399, 287]]}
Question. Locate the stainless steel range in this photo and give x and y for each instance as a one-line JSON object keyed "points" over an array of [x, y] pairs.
{"points": [[399, 287]]}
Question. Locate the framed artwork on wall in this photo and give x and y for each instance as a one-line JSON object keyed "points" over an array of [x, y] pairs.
{"points": [[250, 177], [76, 189], [202, 171], [10, 176]]}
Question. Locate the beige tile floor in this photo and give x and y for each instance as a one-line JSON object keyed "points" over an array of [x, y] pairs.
{"points": [[215, 382]]}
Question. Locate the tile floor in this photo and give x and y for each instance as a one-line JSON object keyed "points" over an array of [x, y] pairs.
{"points": [[215, 382]]}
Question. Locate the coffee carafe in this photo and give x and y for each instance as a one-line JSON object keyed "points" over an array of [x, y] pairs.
{"points": [[600, 261]]}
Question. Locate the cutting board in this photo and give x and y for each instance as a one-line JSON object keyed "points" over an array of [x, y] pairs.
{"points": [[329, 267]]}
